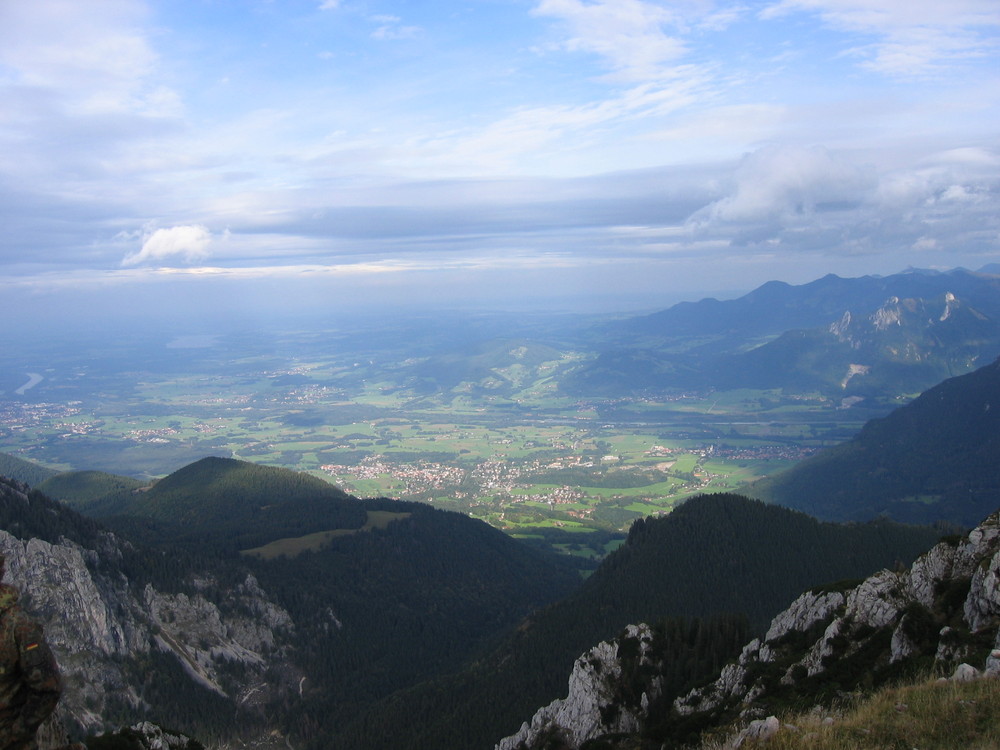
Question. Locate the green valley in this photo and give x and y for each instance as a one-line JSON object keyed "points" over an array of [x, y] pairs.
{"points": [[497, 440]]}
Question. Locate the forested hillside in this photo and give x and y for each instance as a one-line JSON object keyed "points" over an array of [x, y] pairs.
{"points": [[716, 555], [380, 611], [92, 490], [235, 505], [937, 458]]}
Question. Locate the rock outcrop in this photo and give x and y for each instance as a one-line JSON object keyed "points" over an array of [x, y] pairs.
{"points": [[594, 705]]}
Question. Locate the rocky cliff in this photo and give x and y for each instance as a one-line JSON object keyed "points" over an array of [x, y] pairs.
{"points": [[942, 613], [226, 647]]}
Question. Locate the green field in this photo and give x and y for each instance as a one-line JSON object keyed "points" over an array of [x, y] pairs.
{"points": [[377, 519]]}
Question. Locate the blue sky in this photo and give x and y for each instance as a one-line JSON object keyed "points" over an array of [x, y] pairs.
{"points": [[223, 156]]}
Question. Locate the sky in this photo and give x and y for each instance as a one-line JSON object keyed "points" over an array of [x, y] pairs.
{"points": [[164, 159]]}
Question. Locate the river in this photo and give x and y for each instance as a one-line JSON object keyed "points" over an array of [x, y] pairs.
{"points": [[33, 379]]}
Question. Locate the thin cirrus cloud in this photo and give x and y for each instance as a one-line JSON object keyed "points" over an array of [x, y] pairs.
{"points": [[93, 62], [906, 37], [629, 34]]}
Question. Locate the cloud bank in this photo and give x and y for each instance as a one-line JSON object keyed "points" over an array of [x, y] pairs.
{"points": [[688, 144]]}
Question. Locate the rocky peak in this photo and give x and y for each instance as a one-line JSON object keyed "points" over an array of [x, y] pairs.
{"points": [[841, 328], [950, 302]]}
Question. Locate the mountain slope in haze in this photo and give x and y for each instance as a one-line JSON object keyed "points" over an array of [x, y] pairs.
{"points": [[776, 306], [904, 346], [24, 471], [496, 366], [936, 458], [715, 554], [867, 337]]}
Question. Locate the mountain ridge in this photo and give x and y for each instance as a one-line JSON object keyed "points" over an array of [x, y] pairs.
{"points": [[242, 504], [788, 306], [829, 335]]}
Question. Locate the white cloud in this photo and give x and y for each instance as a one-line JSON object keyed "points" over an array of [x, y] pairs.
{"points": [[389, 32], [779, 182], [329, 5], [189, 243], [965, 175]]}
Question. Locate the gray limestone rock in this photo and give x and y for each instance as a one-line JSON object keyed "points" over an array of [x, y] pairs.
{"points": [[804, 612], [878, 600], [982, 607], [95, 625], [965, 673], [878, 603], [929, 570]]}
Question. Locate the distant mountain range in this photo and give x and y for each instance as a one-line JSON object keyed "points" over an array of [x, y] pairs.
{"points": [[776, 306], [870, 337], [878, 337]]}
